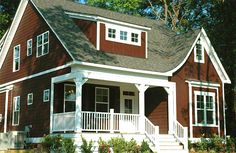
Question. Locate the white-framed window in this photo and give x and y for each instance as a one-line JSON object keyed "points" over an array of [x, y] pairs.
{"points": [[16, 58], [69, 97], [101, 99], [43, 44], [29, 47], [134, 37], [199, 52], [46, 95], [205, 111], [30, 99], [16, 111], [123, 34], [111, 33]]}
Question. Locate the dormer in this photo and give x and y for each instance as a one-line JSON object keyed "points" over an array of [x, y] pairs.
{"points": [[113, 36]]}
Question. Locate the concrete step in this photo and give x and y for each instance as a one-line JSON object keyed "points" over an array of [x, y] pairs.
{"points": [[172, 151], [171, 147], [175, 143]]}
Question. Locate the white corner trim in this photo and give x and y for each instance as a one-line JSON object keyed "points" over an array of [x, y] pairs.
{"points": [[52, 30], [98, 36], [190, 110], [223, 96], [123, 69], [12, 31]]}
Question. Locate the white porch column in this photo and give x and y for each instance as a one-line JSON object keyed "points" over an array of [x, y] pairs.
{"points": [[6, 110], [79, 81], [141, 88]]}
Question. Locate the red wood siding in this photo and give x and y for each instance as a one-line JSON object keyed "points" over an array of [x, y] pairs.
{"points": [[199, 72], [89, 28], [2, 109], [30, 26], [156, 107], [121, 48], [37, 114]]}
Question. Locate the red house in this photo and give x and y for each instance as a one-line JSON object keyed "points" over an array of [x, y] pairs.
{"points": [[72, 69]]}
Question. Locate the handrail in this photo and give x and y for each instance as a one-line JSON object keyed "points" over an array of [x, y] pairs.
{"points": [[152, 132], [181, 134]]}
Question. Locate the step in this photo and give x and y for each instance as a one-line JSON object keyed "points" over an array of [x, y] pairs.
{"points": [[172, 151], [171, 147], [167, 143], [166, 136]]}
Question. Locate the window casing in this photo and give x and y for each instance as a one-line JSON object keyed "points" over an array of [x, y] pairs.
{"points": [[199, 52], [46, 95], [16, 58], [134, 37], [30, 99], [101, 99], [123, 35], [43, 44], [205, 110], [29, 47], [111, 33], [16, 111], [69, 97]]}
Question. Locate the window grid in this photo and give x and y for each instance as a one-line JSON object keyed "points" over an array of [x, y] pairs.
{"points": [[16, 111], [123, 35], [16, 58], [46, 94], [205, 108], [29, 47], [134, 37], [42, 44], [111, 33], [101, 99]]}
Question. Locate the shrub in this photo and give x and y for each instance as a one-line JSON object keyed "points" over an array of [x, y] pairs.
{"points": [[58, 144], [86, 147]]}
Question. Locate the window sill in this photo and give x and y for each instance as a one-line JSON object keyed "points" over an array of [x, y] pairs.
{"points": [[205, 125]]}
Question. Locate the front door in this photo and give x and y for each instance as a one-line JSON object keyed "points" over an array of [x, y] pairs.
{"points": [[128, 104]]}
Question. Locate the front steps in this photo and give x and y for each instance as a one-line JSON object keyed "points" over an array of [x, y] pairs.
{"points": [[169, 144]]}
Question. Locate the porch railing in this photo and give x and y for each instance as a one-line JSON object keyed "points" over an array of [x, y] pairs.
{"points": [[181, 134], [152, 132], [64, 121]]}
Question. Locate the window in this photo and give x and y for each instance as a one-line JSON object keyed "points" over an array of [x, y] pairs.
{"points": [[198, 52], [16, 110], [128, 106], [30, 99], [69, 97], [46, 94], [123, 35], [101, 99], [134, 37], [111, 33], [42, 44], [16, 58], [29, 47], [204, 108]]}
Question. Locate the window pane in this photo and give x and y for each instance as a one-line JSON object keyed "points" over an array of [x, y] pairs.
{"points": [[200, 116], [210, 117], [70, 93], [123, 35], [102, 95], [45, 38], [101, 107], [134, 37], [69, 106], [45, 48], [16, 117], [39, 40], [40, 50], [111, 33], [128, 106]]}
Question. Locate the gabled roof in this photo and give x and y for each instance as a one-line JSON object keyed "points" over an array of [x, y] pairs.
{"points": [[166, 49]]}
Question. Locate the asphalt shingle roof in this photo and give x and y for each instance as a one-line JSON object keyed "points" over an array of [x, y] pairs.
{"points": [[166, 49]]}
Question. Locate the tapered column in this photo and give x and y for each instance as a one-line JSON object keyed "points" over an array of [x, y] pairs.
{"points": [[79, 81], [141, 88]]}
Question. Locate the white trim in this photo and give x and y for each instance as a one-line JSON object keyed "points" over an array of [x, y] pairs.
{"points": [[223, 96], [204, 94], [29, 41], [201, 83], [42, 35], [98, 36], [53, 30], [45, 92], [12, 31], [190, 110], [99, 102], [3, 39], [146, 44], [118, 29], [6, 111], [212, 55], [122, 68], [98, 18], [14, 58], [30, 94], [36, 75]]}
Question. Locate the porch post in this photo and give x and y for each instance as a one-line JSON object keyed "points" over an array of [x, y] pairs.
{"points": [[6, 110], [79, 81], [141, 88]]}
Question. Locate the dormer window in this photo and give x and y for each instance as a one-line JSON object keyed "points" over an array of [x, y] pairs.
{"points": [[199, 52], [123, 34], [111, 33]]}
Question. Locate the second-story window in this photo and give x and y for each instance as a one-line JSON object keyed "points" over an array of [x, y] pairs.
{"points": [[134, 37], [42, 44], [29, 47], [123, 35], [111, 33], [16, 58]]}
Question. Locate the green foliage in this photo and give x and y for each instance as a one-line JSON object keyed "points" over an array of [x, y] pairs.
{"points": [[86, 147], [119, 145], [58, 144]]}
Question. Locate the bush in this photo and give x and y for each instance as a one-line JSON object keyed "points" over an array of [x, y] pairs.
{"points": [[86, 147], [58, 144]]}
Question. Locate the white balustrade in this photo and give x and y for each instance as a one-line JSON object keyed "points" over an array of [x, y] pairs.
{"points": [[152, 132], [64, 121], [181, 133]]}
